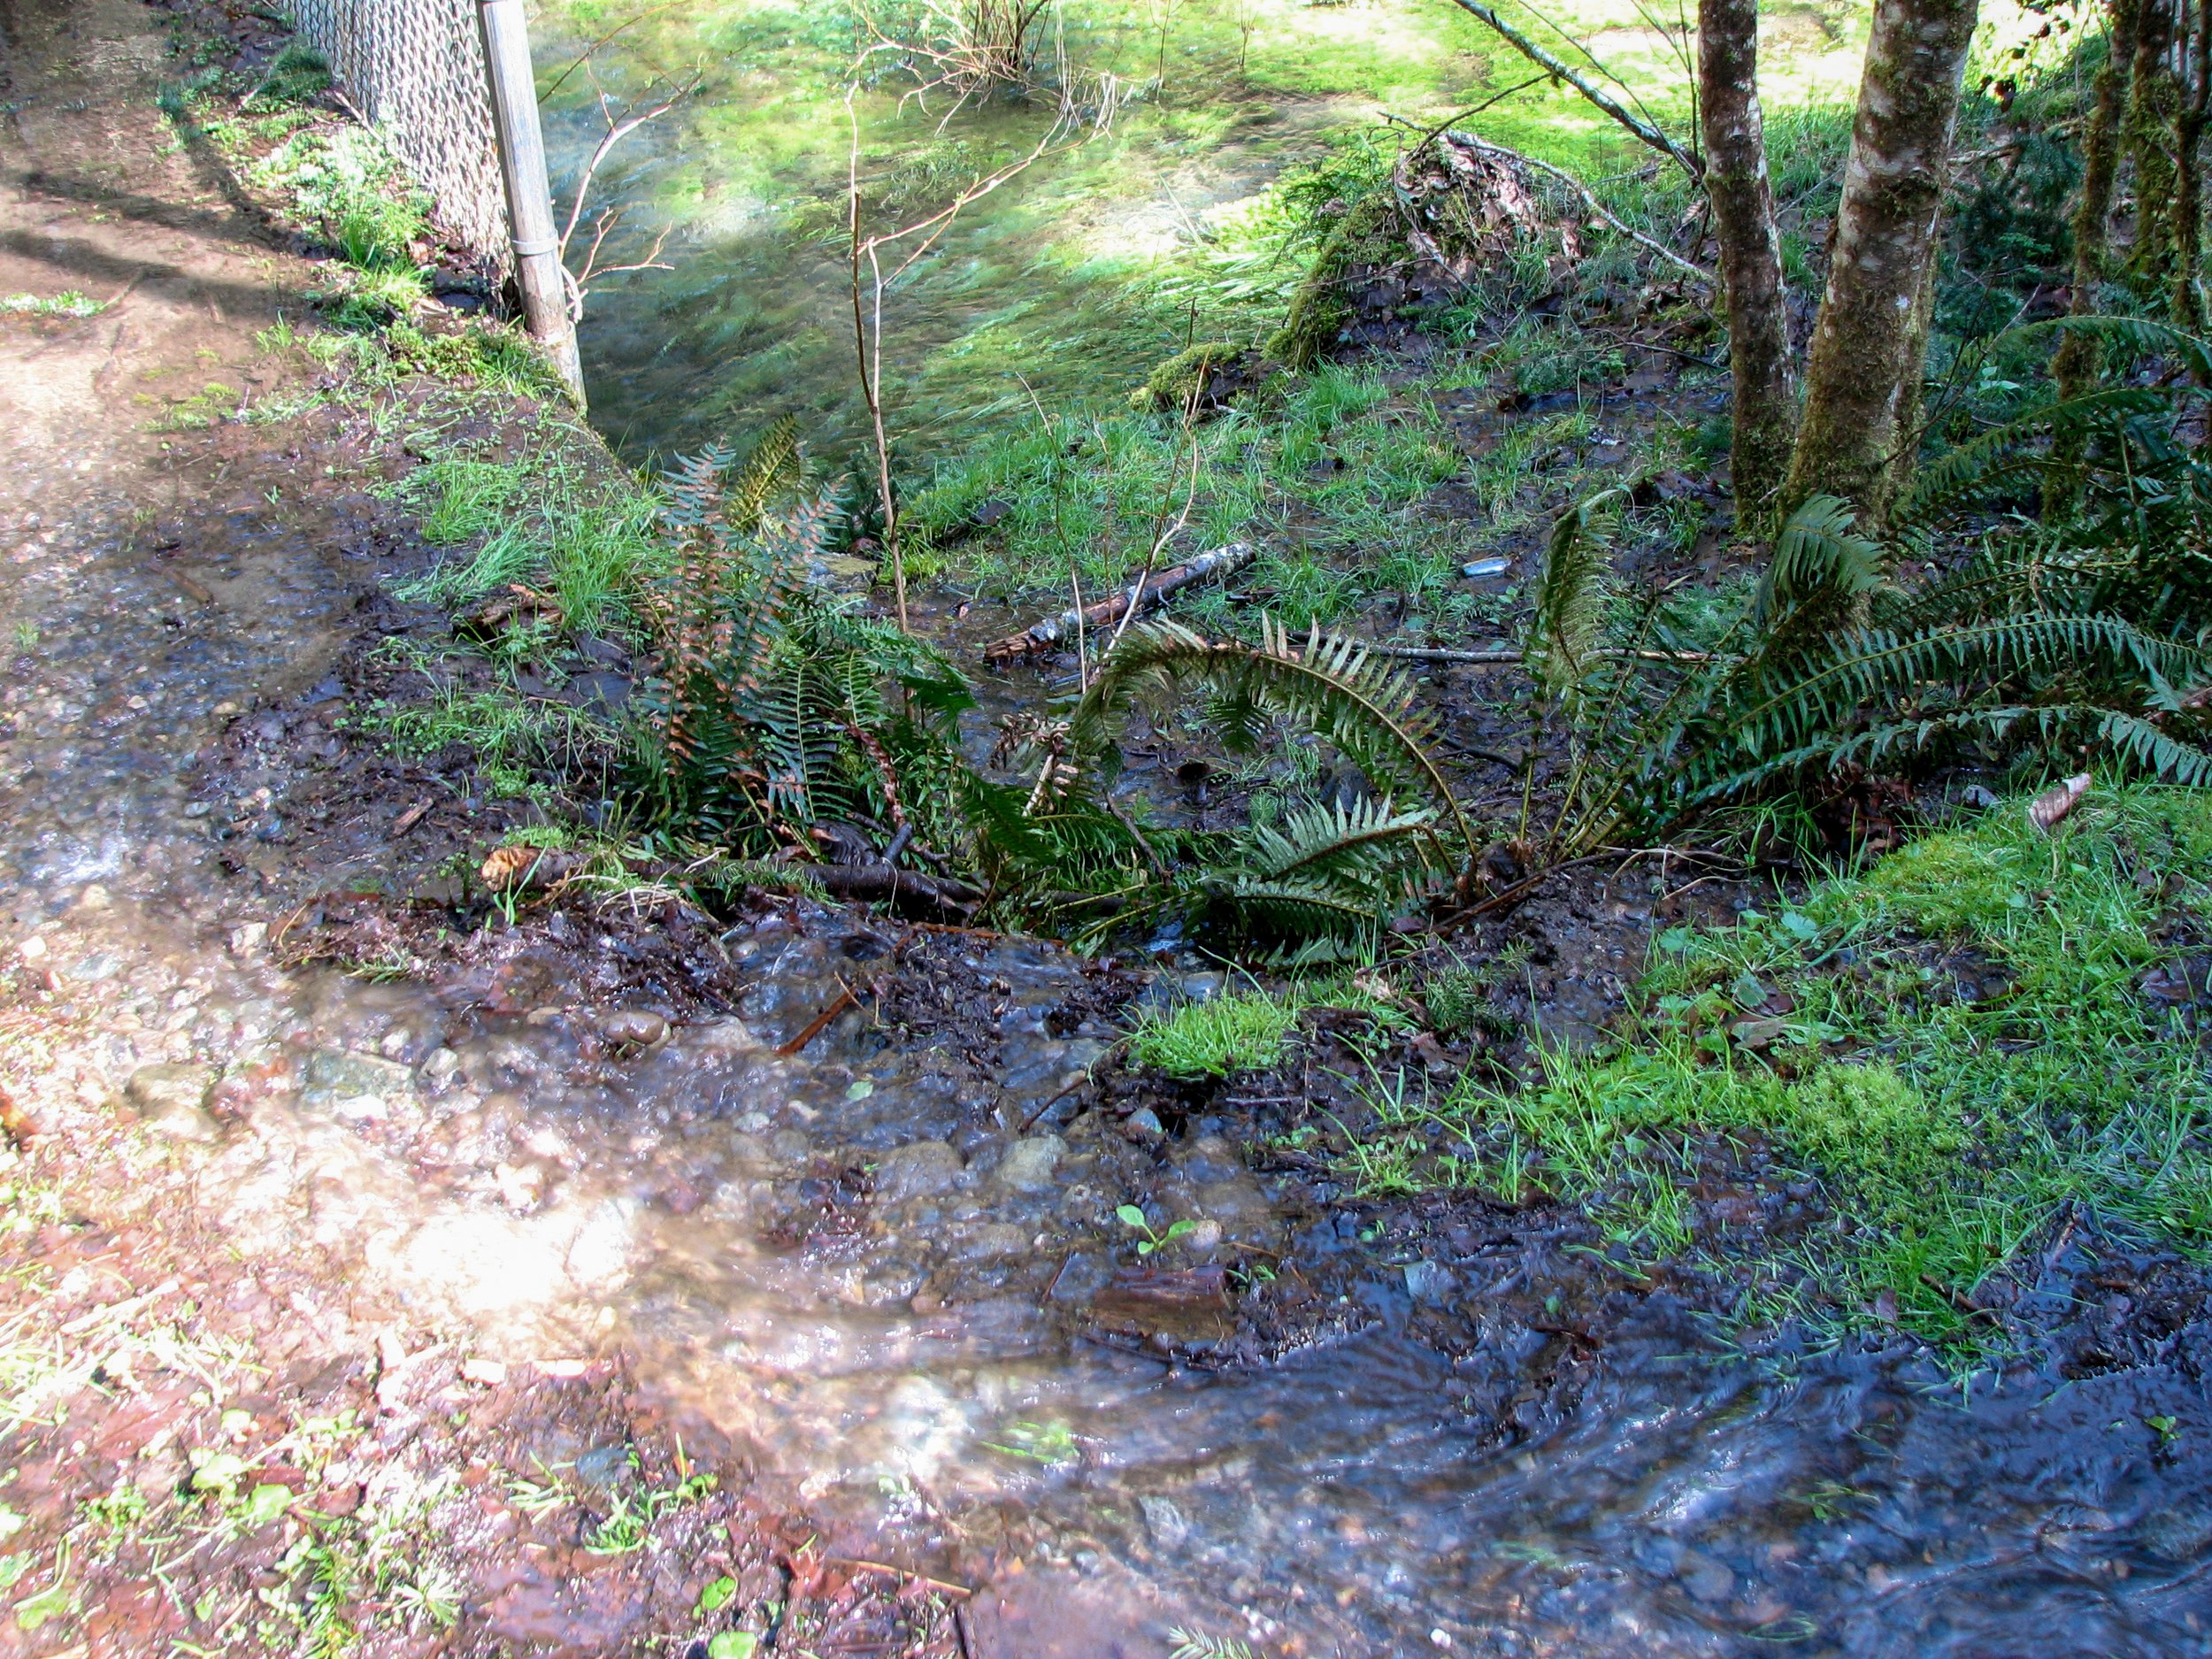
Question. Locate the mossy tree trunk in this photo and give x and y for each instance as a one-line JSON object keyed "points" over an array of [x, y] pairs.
{"points": [[1857, 408], [2076, 364], [2188, 311], [2153, 104], [1742, 196]]}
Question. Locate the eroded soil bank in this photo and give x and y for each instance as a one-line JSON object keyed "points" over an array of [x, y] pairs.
{"points": [[628, 1280]]}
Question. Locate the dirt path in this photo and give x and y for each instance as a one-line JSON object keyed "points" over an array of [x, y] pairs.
{"points": [[214, 1448]]}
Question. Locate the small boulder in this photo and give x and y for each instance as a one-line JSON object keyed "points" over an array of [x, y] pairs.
{"points": [[172, 1101], [921, 1169], [1029, 1164]]}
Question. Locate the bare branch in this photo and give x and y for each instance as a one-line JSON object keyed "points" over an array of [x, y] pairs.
{"points": [[619, 126], [1645, 132]]}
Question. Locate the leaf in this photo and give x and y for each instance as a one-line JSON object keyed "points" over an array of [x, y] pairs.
{"points": [[718, 1594], [732, 1644], [40, 1609], [1130, 1216], [265, 1504], [521, 866]]}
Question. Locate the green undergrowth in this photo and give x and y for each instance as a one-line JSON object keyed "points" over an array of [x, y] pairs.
{"points": [[1337, 476], [1954, 1042], [1246, 1030], [334, 181], [543, 520]]}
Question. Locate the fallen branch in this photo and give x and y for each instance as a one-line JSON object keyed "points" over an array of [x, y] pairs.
{"points": [[1645, 131], [886, 881], [1222, 562], [1439, 654], [820, 1022]]}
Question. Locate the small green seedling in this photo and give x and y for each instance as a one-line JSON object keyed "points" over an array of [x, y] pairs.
{"points": [[1153, 1239], [716, 1595], [1051, 1444], [2168, 1430], [732, 1644]]}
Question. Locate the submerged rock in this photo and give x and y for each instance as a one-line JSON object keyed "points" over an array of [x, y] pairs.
{"points": [[355, 1085], [172, 1101], [1029, 1164], [921, 1169]]}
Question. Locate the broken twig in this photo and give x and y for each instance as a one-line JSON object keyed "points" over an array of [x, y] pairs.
{"points": [[1222, 562]]}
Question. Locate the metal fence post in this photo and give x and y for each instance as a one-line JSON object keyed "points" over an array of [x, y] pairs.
{"points": [[514, 92]]}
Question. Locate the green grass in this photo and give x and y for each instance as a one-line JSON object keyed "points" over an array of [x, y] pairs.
{"points": [[68, 302], [539, 520], [1237, 1031], [514, 738], [1331, 477], [1247, 1029], [1947, 1129]]}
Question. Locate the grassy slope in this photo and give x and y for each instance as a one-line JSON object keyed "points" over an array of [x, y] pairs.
{"points": [[1064, 283]]}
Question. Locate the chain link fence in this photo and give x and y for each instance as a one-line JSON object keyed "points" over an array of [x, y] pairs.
{"points": [[415, 69]]}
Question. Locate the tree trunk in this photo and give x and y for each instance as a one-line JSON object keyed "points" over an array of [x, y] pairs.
{"points": [[2153, 105], [2079, 360], [1893, 194], [2189, 125], [2076, 364], [1736, 182]]}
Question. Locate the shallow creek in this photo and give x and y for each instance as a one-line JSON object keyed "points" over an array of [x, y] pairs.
{"points": [[886, 1298]]}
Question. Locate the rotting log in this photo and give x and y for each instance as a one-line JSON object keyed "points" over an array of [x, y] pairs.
{"points": [[1222, 562]]}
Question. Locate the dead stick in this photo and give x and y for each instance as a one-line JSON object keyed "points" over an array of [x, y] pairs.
{"points": [[845, 999], [1424, 653], [1224, 561], [949, 1588]]}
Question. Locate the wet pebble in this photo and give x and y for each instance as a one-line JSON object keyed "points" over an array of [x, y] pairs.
{"points": [[1706, 1580], [172, 1101], [1144, 1124], [1029, 1164], [633, 1027]]}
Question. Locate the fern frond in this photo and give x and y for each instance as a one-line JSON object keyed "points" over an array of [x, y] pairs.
{"points": [[1331, 685], [1568, 627], [1332, 839], [775, 466], [1819, 566], [2000, 459], [2140, 336], [1192, 1644], [1299, 910]]}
